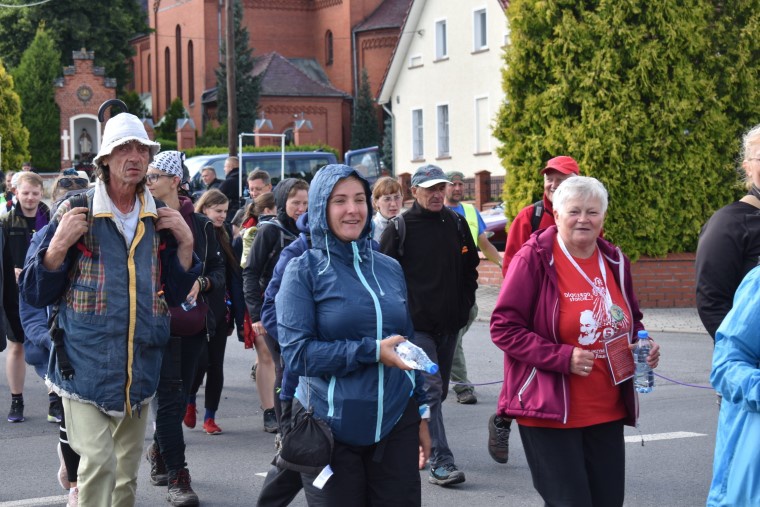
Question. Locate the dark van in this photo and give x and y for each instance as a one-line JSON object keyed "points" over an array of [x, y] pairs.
{"points": [[298, 164]]}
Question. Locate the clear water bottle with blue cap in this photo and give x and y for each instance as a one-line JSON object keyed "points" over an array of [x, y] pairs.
{"points": [[644, 378], [415, 357]]}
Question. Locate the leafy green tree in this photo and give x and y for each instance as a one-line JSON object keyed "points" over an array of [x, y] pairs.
{"points": [[74, 24], [629, 89], [247, 86], [364, 131], [135, 105], [40, 65], [15, 137], [167, 129]]}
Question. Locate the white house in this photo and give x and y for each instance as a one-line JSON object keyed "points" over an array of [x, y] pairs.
{"points": [[443, 85]]}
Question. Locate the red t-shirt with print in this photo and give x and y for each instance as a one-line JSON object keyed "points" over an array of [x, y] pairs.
{"points": [[585, 321]]}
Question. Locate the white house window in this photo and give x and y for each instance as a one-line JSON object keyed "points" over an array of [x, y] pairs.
{"points": [[480, 31], [441, 50], [482, 127], [443, 130], [417, 132]]}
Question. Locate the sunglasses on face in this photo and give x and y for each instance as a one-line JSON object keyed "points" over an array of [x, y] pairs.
{"points": [[70, 182]]}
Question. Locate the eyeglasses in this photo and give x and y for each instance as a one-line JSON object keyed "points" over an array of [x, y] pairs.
{"points": [[153, 177], [387, 199], [70, 182]]}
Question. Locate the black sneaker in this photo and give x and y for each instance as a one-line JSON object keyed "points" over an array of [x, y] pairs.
{"points": [[180, 493], [467, 397], [55, 411], [270, 421], [159, 476], [498, 438], [17, 411], [446, 475]]}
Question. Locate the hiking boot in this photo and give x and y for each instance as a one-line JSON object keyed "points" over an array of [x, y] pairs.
{"points": [[63, 474], [446, 475], [73, 500], [158, 473], [55, 411], [190, 413], [17, 411], [180, 493], [270, 421], [498, 438], [211, 428], [467, 397]]}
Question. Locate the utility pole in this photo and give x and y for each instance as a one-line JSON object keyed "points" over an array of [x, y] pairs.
{"points": [[232, 134]]}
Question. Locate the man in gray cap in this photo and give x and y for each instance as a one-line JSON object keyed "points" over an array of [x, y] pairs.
{"points": [[116, 263], [439, 259], [454, 195]]}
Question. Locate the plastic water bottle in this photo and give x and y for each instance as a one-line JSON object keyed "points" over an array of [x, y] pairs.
{"points": [[415, 357], [189, 304], [644, 379]]}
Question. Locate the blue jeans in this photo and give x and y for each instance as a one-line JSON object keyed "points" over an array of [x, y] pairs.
{"points": [[177, 374], [440, 349]]}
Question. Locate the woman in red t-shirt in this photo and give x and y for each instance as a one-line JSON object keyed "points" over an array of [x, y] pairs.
{"points": [[566, 297]]}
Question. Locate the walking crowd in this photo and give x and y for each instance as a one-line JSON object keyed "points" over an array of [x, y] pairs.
{"points": [[123, 294]]}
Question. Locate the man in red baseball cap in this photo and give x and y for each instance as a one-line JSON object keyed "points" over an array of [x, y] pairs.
{"points": [[538, 215]]}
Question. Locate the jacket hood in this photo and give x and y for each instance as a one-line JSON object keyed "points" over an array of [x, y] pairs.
{"points": [[281, 192], [319, 192], [303, 223], [185, 206]]}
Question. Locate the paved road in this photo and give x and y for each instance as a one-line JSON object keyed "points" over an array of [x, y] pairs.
{"points": [[226, 468]]}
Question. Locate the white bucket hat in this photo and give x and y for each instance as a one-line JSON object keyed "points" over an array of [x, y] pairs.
{"points": [[121, 129]]}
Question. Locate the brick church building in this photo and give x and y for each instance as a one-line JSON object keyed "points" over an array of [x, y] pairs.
{"points": [[309, 57]]}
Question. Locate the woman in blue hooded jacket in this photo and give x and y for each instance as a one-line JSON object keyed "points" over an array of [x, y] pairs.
{"points": [[341, 310]]}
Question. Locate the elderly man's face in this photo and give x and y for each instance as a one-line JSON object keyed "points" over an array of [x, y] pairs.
{"points": [[208, 176], [552, 180], [128, 163], [430, 198], [257, 187]]}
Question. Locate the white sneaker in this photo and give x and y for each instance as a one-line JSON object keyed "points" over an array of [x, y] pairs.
{"points": [[73, 498], [63, 475]]}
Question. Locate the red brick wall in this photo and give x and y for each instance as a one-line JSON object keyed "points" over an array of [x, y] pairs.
{"points": [[665, 282], [659, 282]]}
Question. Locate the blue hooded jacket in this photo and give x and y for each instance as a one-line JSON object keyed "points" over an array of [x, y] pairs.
{"points": [[336, 302], [736, 377]]}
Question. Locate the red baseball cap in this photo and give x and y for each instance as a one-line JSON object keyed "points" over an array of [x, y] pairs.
{"points": [[563, 164]]}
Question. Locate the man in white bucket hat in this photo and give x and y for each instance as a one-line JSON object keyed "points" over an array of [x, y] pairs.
{"points": [[116, 272]]}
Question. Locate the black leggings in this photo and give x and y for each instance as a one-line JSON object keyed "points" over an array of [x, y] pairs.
{"points": [[211, 364]]}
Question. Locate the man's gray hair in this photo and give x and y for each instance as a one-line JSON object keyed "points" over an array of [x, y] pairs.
{"points": [[584, 188]]}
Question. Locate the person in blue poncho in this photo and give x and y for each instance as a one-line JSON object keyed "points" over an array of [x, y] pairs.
{"points": [[341, 310]]}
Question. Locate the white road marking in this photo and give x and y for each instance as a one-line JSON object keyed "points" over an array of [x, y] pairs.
{"points": [[655, 436], [36, 502]]}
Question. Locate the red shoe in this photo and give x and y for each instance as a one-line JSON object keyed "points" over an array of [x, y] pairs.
{"points": [[210, 427], [190, 412]]}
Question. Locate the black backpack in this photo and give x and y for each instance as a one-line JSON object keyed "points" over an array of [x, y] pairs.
{"points": [[538, 213]]}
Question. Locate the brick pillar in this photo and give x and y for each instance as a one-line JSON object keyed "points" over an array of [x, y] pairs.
{"points": [[263, 126], [148, 124], [482, 188], [405, 180], [185, 134]]}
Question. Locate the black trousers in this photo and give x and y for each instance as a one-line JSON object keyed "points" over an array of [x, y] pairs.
{"points": [[378, 475], [577, 467]]}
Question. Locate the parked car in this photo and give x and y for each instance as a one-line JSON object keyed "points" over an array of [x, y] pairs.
{"points": [[298, 164], [496, 226]]}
